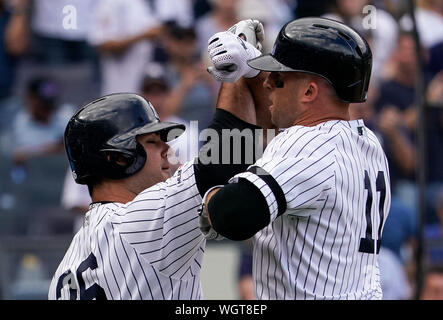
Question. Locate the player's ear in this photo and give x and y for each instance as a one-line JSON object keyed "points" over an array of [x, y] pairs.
{"points": [[311, 91]]}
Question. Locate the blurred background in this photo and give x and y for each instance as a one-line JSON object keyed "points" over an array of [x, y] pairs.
{"points": [[57, 55]]}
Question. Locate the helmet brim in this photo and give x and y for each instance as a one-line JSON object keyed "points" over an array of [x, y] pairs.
{"points": [[176, 130], [268, 63]]}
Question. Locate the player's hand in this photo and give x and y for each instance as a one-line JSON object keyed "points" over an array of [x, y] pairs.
{"points": [[251, 31], [207, 230], [229, 55], [206, 227]]}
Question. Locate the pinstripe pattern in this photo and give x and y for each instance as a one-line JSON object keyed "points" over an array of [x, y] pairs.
{"points": [[312, 250], [149, 248]]}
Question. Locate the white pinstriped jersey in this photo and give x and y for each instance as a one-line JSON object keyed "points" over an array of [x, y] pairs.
{"points": [[149, 248], [336, 183]]}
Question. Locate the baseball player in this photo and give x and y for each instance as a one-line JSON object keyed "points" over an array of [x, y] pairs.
{"points": [[317, 200], [140, 238]]}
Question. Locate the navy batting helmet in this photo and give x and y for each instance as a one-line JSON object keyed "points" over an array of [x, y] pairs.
{"points": [[325, 48], [109, 126]]}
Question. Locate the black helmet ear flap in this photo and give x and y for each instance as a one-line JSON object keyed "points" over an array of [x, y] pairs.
{"points": [[121, 164], [139, 160], [119, 158]]}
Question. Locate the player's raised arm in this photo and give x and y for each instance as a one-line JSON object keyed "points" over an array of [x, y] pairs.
{"points": [[242, 91], [240, 114]]}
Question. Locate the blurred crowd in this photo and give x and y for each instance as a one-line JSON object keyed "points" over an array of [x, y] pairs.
{"points": [[57, 55]]}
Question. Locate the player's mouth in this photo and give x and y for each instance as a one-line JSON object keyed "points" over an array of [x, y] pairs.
{"points": [[166, 171]]}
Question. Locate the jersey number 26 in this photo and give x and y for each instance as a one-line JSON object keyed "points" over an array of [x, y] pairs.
{"points": [[93, 292]]}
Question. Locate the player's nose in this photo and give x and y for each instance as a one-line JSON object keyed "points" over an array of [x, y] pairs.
{"points": [[164, 151], [268, 84]]}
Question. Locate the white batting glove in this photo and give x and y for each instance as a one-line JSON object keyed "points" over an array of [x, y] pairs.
{"points": [[229, 55], [251, 31]]}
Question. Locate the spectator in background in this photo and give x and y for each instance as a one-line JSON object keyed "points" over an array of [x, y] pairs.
{"points": [[395, 7], [397, 115], [433, 237], [309, 8], [180, 11], [222, 16], [272, 13], [434, 97], [157, 90], [429, 17], [434, 92], [382, 37], [38, 128], [398, 90], [122, 31], [200, 8], [434, 135], [398, 112], [75, 199], [59, 38], [193, 90], [433, 232], [394, 280], [435, 65], [433, 284], [14, 38]]}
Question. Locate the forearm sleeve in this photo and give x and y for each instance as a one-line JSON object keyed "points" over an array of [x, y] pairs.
{"points": [[226, 151]]}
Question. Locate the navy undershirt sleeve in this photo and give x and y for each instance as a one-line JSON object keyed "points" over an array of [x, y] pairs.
{"points": [[212, 174]]}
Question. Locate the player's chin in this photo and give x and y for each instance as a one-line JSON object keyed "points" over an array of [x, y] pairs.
{"points": [[274, 119], [279, 120], [166, 173]]}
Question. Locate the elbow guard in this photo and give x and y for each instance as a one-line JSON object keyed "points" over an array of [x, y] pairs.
{"points": [[238, 211]]}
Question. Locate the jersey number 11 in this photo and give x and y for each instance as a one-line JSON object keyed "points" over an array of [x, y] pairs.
{"points": [[368, 244]]}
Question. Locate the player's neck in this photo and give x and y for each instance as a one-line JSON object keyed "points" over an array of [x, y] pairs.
{"points": [[112, 192], [316, 115]]}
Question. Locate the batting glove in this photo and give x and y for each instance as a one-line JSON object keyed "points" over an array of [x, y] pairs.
{"points": [[203, 219], [229, 55], [251, 31]]}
